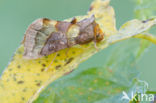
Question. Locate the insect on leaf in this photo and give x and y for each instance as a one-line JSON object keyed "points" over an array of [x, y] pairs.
{"points": [[23, 80], [100, 84]]}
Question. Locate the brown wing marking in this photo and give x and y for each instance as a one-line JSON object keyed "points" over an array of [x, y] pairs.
{"points": [[57, 41], [35, 37]]}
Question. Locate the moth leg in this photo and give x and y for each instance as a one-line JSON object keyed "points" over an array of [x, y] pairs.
{"points": [[95, 42], [96, 46], [51, 62], [67, 52], [67, 46]]}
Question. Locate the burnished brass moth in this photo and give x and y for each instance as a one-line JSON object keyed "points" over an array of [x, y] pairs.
{"points": [[44, 36]]}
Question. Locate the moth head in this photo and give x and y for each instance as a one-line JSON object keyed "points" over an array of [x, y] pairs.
{"points": [[98, 33]]}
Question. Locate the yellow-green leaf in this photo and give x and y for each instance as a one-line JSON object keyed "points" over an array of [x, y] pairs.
{"points": [[23, 80]]}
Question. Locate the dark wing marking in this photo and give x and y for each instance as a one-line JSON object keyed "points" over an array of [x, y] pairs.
{"points": [[57, 41], [36, 36], [86, 31]]}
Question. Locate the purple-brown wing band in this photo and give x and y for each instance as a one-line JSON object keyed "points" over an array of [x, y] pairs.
{"points": [[57, 41], [89, 31]]}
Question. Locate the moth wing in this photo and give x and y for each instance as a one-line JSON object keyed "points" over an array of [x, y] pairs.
{"points": [[36, 36], [85, 22], [57, 41]]}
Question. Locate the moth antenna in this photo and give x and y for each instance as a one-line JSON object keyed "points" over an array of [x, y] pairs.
{"points": [[51, 62]]}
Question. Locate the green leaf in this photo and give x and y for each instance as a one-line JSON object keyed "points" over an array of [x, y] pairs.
{"points": [[100, 84], [104, 84], [145, 9], [151, 92]]}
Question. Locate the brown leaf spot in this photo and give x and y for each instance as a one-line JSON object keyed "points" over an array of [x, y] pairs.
{"points": [[58, 55], [58, 66], [20, 82], [18, 66], [43, 65], [69, 60], [38, 84], [23, 98], [42, 69], [10, 69]]}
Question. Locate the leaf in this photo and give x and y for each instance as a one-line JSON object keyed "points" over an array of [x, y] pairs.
{"points": [[105, 84], [97, 84], [131, 29], [100, 84], [23, 80], [145, 9]]}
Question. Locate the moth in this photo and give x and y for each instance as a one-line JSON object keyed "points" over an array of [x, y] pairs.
{"points": [[45, 36]]}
